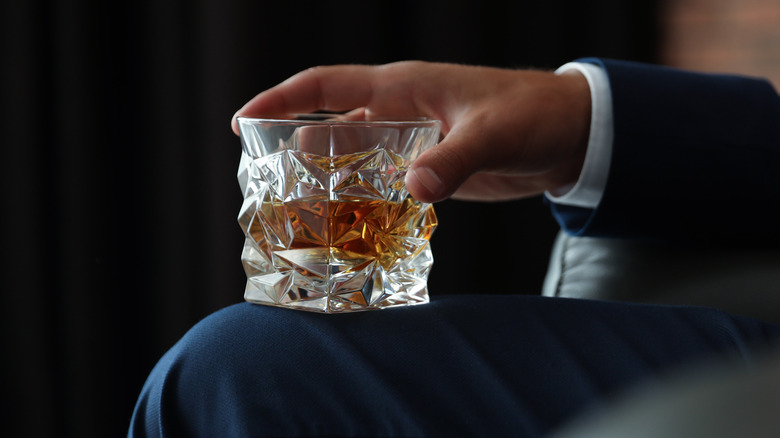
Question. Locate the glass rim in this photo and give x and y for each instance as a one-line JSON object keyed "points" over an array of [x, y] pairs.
{"points": [[332, 119]]}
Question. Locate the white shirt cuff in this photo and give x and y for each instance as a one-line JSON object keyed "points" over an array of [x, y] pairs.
{"points": [[588, 190]]}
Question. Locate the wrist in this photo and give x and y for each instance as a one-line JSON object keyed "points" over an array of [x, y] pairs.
{"points": [[577, 134], [587, 190]]}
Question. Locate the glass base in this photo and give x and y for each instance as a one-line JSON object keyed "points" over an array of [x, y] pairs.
{"points": [[277, 291]]}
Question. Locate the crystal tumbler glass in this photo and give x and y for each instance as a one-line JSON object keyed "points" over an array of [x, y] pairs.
{"points": [[329, 224]]}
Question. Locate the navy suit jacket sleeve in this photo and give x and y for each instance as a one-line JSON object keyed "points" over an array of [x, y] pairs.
{"points": [[695, 156]]}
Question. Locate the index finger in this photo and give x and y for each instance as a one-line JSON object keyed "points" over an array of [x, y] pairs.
{"points": [[330, 88]]}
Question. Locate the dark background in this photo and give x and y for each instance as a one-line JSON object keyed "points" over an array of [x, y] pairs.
{"points": [[118, 168]]}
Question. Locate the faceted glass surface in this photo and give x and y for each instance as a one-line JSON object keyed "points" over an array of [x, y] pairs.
{"points": [[328, 222]]}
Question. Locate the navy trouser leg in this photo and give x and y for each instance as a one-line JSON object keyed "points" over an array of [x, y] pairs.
{"points": [[459, 366]]}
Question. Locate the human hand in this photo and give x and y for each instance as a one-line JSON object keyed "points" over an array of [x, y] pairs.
{"points": [[507, 134]]}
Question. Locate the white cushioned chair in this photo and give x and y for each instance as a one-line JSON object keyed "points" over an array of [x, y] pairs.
{"points": [[738, 280]]}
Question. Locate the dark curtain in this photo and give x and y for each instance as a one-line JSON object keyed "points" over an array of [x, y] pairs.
{"points": [[118, 168]]}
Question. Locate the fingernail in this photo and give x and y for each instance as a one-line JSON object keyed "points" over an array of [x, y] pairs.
{"points": [[428, 179]]}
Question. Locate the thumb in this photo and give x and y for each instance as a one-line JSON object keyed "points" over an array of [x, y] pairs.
{"points": [[440, 171]]}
